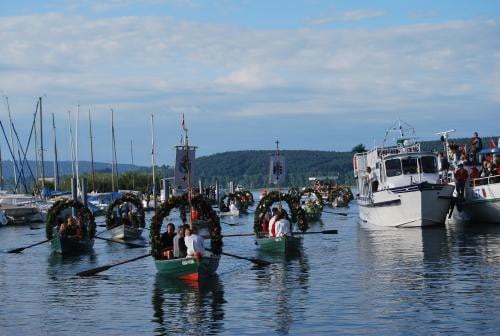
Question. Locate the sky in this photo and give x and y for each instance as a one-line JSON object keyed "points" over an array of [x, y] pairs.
{"points": [[318, 75]]}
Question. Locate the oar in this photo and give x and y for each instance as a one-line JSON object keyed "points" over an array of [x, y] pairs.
{"points": [[336, 213], [230, 224], [120, 242], [96, 270], [20, 249], [323, 232], [256, 261]]}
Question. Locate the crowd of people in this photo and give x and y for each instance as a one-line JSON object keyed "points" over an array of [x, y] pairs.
{"points": [[72, 228], [183, 243], [126, 214], [277, 224]]}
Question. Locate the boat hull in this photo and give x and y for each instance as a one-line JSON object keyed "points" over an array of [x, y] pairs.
{"points": [[409, 206], [281, 245], [71, 245], [188, 268], [482, 203], [126, 232]]}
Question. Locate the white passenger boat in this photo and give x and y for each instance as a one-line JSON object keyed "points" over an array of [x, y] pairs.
{"points": [[409, 192], [482, 195]]}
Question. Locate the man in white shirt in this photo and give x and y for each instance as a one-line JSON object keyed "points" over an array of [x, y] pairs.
{"points": [[283, 226], [272, 223], [194, 243]]}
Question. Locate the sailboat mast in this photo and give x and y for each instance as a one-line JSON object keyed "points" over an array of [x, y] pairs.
{"points": [[56, 163], [153, 161], [278, 160], [132, 156], [77, 166], [36, 149], [72, 147], [112, 152], [41, 144], [14, 166], [92, 153]]}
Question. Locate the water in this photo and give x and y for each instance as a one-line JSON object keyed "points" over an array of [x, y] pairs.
{"points": [[361, 281]]}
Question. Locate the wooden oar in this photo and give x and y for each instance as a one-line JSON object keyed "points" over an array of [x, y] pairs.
{"points": [[336, 213], [323, 232], [20, 249], [256, 261], [96, 270], [120, 242]]}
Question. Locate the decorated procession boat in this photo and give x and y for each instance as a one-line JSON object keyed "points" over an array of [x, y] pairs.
{"points": [[65, 244], [202, 217], [130, 227], [409, 192]]}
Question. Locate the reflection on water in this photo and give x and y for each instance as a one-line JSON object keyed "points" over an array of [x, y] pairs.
{"points": [[287, 283], [187, 307]]}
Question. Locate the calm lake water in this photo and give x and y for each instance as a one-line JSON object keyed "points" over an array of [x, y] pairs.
{"points": [[359, 282]]}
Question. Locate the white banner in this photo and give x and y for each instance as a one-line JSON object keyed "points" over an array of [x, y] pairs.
{"points": [[277, 171], [183, 167]]}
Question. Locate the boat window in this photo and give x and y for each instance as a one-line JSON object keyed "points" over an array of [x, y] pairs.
{"points": [[428, 165], [393, 167], [409, 166]]}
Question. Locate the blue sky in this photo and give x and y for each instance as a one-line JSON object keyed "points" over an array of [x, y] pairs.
{"points": [[315, 74]]}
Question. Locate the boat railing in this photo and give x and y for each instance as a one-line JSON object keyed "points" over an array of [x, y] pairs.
{"points": [[485, 180]]}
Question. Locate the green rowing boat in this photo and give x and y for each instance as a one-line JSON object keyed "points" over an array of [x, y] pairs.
{"points": [[282, 245], [188, 268], [71, 245]]}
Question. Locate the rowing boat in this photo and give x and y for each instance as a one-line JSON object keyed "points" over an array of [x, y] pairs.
{"points": [[126, 232], [281, 245], [188, 268], [67, 245]]}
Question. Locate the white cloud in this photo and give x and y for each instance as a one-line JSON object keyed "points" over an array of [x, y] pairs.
{"points": [[163, 65], [346, 16]]}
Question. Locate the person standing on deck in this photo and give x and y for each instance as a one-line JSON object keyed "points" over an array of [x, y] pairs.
{"points": [[461, 176], [444, 167], [477, 145], [372, 179], [194, 243]]}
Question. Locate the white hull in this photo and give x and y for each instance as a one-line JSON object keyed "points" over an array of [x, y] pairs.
{"points": [[409, 206], [126, 232], [482, 203]]}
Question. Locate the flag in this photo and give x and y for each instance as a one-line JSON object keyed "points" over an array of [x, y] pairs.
{"points": [[492, 143], [184, 170], [277, 172], [183, 123]]}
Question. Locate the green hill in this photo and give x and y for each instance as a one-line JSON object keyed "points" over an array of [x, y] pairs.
{"points": [[251, 167]]}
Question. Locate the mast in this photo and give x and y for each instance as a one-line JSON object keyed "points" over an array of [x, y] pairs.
{"points": [[14, 166], [188, 168], [92, 153], [36, 150], [1, 169], [56, 163], [77, 165], [153, 161], [41, 143], [72, 147], [277, 157], [133, 172], [114, 168]]}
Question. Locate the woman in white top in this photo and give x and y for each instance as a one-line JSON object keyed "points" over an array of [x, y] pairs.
{"points": [[272, 223], [194, 243]]}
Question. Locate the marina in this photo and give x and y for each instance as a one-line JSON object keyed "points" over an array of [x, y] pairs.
{"points": [[340, 176]]}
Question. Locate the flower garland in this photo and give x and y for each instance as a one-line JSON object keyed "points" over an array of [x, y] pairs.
{"points": [[198, 203], [84, 214], [347, 195], [297, 216], [131, 198]]}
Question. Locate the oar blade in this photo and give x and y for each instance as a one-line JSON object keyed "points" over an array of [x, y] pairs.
{"points": [[260, 262], [329, 231], [16, 250], [93, 271]]}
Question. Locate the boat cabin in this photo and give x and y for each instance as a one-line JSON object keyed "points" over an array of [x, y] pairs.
{"points": [[395, 167]]}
